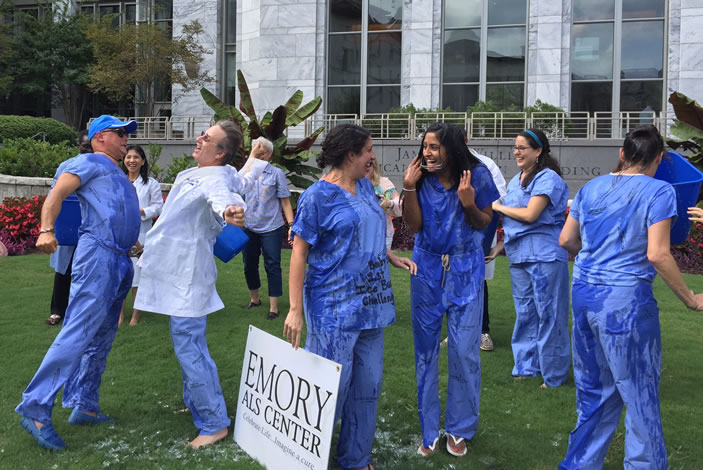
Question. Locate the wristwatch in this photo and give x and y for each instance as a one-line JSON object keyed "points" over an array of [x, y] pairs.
{"points": [[47, 230]]}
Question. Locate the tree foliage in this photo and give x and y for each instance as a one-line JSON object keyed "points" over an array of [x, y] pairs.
{"points": [[132, 61], [7, 49], [53, 60]]}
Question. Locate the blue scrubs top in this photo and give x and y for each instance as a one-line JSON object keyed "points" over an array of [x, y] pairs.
{"points": [[445, 230], [538, 241], [108, 200], [347, 282], [614, 213]]}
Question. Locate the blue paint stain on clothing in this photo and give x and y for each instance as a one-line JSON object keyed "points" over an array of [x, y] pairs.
{"points": [[456, 291], [616, 332], [537, 241], [614, 213]]}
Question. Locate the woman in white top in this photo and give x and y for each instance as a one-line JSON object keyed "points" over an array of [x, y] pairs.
{"points": [[388, 199], [148, 189]]}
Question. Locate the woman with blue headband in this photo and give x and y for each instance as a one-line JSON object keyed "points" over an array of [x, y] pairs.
{"points": [[533, 214]]}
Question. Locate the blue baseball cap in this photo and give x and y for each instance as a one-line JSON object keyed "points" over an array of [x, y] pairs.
{"points": [[110, 122]]}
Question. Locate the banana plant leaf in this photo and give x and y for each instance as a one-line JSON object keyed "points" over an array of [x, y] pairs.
{"points": [[306, 143], [306, 170], [293, 103], [687, 110], [685, 145], [685, 131], [222, 110], [304, 112], [278, 123], [254, 130], [299, 181], [245, 101]]}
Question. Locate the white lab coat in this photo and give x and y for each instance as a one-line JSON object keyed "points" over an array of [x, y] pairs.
{"points": [[150, 200], [178, 269], [499, 181]]}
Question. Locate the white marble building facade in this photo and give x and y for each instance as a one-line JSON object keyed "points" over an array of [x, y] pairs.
{"points": [[281, 47]]}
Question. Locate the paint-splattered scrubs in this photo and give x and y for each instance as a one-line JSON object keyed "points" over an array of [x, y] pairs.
{"points": [[102, 275], [348, 300], [179, 278], [539, 273], [450, 274], [616, 335]]}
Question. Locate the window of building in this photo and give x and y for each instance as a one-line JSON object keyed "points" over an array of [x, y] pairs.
{"points": [[124, 13], [617, 55], [363, 56], [230, 51], [483, 53]]}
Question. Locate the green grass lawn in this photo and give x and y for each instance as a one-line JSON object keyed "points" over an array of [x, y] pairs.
{"points": [[521, 426]]}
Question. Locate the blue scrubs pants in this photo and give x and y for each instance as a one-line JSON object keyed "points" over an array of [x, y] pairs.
{"points": [[361, 355], [541, 335], [461, 298], [617, 362], [202, 392], [78, 355]]}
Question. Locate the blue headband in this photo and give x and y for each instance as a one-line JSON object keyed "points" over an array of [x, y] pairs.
{"points": [[534, 136]]}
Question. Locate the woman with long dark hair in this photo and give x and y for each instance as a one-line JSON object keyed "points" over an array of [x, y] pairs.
{"points": [[619, 227], [136, 166], [447, 202], [533, 214], [345, 294]]}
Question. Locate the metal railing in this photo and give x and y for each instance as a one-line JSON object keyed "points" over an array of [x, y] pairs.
{"points": [[403, 126], [168, 128]]}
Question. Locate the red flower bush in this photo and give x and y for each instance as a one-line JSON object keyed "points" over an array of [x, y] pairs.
{"points": [[19, 223], [689, 254]]}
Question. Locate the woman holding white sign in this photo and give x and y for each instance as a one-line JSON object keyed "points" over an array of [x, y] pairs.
{"points": [[346, 294]]}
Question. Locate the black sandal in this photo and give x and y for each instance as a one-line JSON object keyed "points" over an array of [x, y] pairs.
{"points": [[252, 305]]}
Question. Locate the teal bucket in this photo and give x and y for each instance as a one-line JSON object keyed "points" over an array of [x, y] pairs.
{"points": [[686, 180], [229, 242], [68, 222]]}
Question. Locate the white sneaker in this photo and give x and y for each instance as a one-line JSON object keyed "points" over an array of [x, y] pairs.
{"points": [[486, 342], [444, 343]]}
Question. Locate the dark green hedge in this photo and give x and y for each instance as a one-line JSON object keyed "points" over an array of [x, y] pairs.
{"points": [[16, 127], [29, 157]]}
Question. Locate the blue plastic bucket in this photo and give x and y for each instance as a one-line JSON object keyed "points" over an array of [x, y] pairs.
{"points": [[686, 180], [68, 222], [230, 242]]}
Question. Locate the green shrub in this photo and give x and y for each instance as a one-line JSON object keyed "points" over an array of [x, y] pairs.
{"points": [[51, 130], [552, 120], [155, 171], [28, 157], [177, 165]]}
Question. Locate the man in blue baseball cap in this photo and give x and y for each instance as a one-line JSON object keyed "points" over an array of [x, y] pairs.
{"points": [[106, 122], [102, 276]]}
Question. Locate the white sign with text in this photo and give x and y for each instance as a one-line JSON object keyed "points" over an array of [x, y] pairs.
{"points": [[287, 399]]}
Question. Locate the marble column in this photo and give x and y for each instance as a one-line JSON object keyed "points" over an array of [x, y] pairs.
{"points": [[685, 58], [548, 47], [421, 56], [208, 13]]}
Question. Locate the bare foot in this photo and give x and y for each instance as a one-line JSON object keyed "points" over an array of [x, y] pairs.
{"points": [[121, 320], [206, 440], [134, 321]]}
